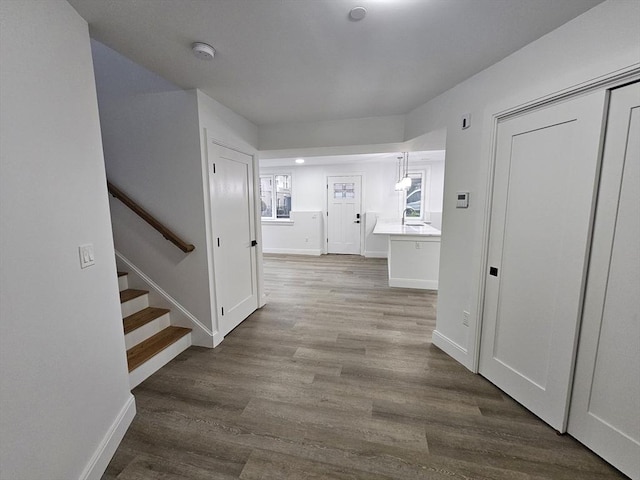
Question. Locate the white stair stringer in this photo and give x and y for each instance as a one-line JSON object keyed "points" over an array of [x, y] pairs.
{"points": [[158, 361], [123, 282]]}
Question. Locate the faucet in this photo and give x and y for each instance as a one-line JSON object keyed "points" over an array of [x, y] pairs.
{"points": [[412, 210]]}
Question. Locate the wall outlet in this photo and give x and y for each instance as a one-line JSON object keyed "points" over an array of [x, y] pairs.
{"points": [[465, 318], [306, 240], [418, 246]]}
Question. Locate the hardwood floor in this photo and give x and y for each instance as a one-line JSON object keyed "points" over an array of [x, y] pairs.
{"points": [[336, 378]]}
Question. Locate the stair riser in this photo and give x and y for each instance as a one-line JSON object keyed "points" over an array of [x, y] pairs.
{"points": [[148, 330], [134, 305], [123, 283], [155, 363]]}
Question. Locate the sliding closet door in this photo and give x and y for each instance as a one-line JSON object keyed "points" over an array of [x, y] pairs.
{"points": [[545, 176], [605, 407]]}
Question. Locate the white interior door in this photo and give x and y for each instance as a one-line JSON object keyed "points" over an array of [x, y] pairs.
{"points": [[605, 406], [233, 223], [344, 216], [546, 167]]}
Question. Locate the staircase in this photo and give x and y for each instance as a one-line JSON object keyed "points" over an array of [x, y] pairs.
{"points": [[150, 339]]}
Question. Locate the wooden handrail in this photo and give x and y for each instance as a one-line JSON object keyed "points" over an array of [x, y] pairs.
{"points": [[150, 219]]}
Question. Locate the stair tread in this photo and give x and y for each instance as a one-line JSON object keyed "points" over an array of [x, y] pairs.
{"points": [[150, 347], [144, 316], [122, 274], [130, 294]]}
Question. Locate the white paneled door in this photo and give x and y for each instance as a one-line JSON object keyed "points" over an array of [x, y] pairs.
{"points": [[546, 165], [233, 225], [605, 406], [344, 216]]}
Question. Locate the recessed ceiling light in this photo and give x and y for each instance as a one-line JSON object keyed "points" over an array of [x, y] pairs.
{"points": [[203, 51], [299, 160], [357, 13]]}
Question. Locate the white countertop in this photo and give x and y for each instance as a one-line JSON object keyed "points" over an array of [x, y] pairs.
{"points": [[383, 228]]}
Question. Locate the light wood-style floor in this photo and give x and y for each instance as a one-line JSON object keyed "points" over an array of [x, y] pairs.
{"points": [[336, 378]]}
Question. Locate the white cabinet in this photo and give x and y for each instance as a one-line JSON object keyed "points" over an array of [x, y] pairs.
{"points": [[413, 254], [414, 261]]}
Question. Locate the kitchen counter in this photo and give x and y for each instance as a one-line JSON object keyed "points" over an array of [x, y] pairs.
{"points": [[413, 256], [407, 229]]}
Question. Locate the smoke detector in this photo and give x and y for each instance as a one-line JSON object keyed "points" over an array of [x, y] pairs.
{"points": [[203, 51], [357, 13]]}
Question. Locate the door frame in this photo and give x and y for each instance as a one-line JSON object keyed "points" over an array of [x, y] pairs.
{"points": [[325, 249], [492, 116], [259, 270]]}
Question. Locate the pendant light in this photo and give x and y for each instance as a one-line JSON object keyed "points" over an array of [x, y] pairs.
{"points": [[405, 183], [399, 186]]}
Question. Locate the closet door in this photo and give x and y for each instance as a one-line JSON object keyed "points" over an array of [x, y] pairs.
{"points": [[545, 176], [605, 407]]}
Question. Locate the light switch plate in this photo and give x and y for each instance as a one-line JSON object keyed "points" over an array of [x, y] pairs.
{"points": [[87, 257]]}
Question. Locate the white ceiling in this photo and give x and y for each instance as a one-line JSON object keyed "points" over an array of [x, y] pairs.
{"points": [[282, 61]]}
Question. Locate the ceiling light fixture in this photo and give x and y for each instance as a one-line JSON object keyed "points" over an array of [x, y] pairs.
{"points": [[357, 13], [399, 182], [203, 51], [299, 160], [406, 181]]}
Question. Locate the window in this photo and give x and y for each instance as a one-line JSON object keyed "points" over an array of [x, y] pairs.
{"points": [[413, 198], [275, 196]]}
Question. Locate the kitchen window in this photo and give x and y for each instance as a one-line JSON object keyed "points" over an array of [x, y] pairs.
{"points": [[275, 196], [413, 200]]}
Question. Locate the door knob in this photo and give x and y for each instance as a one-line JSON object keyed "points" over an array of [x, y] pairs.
{"points": [[493, 271]]}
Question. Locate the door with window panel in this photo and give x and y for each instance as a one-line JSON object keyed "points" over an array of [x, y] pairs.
{"points": [[343, 220]]}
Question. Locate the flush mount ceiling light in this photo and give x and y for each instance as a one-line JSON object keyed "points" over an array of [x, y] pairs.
{"points": [[203, 51], [357, 13], [299, 160]]}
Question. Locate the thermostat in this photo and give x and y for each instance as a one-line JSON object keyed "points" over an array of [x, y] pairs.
{"points": [[462, 200]]}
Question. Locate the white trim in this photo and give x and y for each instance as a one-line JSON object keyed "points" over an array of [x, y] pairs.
{"points": [[107, 448], [413, 283], [492, 115], [294, 251], [375, 254], [451, 348], [285, 222], [203, 336]]}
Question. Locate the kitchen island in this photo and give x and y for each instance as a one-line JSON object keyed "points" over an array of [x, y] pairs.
{"points": [[413, 255]]}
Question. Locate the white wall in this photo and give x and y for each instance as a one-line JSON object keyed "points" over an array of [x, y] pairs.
{"points": [[357, 131], [378, 196], [602, 40], [303, 235], [63, 383], [153, 141]]}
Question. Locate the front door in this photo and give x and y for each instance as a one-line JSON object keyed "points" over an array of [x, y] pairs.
{"points": [[233, 224], [546, 165], [605, 406], [344, 216]]}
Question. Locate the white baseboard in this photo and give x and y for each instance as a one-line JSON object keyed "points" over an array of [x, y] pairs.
{"points": [[293, 251], [180, 316], [374, 254], [451, 348], [413, 283], [102, 456]]}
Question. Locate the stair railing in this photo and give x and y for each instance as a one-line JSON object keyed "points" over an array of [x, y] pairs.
{"points": [[150, 219]]}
